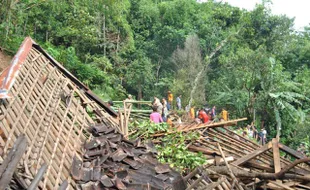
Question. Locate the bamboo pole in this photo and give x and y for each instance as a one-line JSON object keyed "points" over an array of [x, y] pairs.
{"points": [[201, 126], [229, 169]]}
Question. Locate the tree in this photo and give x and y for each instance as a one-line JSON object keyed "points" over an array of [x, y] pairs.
{"points": [[189, 63]]}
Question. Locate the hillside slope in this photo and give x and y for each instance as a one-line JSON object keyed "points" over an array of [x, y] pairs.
{"points": [[4, 60]]}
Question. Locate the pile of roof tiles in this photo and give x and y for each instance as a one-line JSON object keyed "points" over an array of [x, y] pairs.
{"points": [[112, 162]]}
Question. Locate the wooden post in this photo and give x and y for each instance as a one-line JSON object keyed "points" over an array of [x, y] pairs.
{"points": [[121, 123], [276, 156], [35, 182], [127, 119]]}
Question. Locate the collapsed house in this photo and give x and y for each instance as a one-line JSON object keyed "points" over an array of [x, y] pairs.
{"points": [[41, 99], [235, 162], [49, 114], [46, 117]]}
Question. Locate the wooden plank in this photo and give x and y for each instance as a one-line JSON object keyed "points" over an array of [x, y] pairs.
{"points": [[276, 155], [252, 154], [282, 186], [292, 152]]}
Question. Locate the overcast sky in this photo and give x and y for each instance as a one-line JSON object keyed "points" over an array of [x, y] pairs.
{"points": [[292, 8]]}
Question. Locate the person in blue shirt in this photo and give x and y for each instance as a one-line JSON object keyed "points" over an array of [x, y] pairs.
{"points": [[179, 104]]}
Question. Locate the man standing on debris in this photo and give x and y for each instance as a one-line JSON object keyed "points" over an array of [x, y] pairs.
{"points": [[302, 148], [129, 98], [158, 105], [155, 116], [179, 104], [203, 116], [192, 112], [213, 114], [262, 136], [265, 135], [224, 114], [164, 109], [170, 99]]}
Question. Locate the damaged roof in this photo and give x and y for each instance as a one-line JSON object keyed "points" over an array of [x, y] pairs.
{"points": [[44, 101], [110, 161]]}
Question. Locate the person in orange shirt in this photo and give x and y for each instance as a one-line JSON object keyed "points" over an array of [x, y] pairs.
{"points": [[169, 122], [170, 99]]}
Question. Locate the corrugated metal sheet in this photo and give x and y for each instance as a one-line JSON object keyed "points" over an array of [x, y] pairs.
{"points": [[8, 76]]}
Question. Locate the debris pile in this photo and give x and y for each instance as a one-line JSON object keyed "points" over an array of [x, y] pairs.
{"points": [[236, 162], [111, 161]]}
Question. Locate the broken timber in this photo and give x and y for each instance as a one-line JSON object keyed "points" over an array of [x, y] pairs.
{"points": [[10, 163]]}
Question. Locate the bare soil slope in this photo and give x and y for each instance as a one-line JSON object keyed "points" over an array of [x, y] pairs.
{"points": [[5, 60]]}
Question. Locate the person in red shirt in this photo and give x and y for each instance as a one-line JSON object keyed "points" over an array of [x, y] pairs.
{"points": [[203, 116]]}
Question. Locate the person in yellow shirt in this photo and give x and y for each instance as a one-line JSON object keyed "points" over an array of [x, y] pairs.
{"points": [[170, 99], [192, 112], [225, 115]]}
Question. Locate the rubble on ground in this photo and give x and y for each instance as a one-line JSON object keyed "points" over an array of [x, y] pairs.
{"points": [[113, 162]]}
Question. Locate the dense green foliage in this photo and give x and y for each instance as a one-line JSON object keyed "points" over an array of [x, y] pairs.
{"points": [[142, 47], [171, 148]]}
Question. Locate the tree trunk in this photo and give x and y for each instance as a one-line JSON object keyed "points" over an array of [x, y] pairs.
{"points": [[104, 36], [117, 42], [158, 69], [139, 91]]}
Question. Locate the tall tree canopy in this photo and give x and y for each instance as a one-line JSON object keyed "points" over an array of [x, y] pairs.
{"points": [[147, 47]]}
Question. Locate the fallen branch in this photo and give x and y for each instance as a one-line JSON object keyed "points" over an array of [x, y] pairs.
{"points": [[281, 173]]}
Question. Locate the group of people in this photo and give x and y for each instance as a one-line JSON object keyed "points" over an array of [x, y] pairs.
{"points": [[161, 108], [250, 131], [206, 115], [203, 115]]}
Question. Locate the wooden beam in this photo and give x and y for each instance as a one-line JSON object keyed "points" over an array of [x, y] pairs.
{"points": [[276, 155], [280, 185], [134, 102], [252, 154], [11, 161], [202, 126], [261, 166], [288, 167], [253, 174], [292, 152], [218, 160], [203, 150]]}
